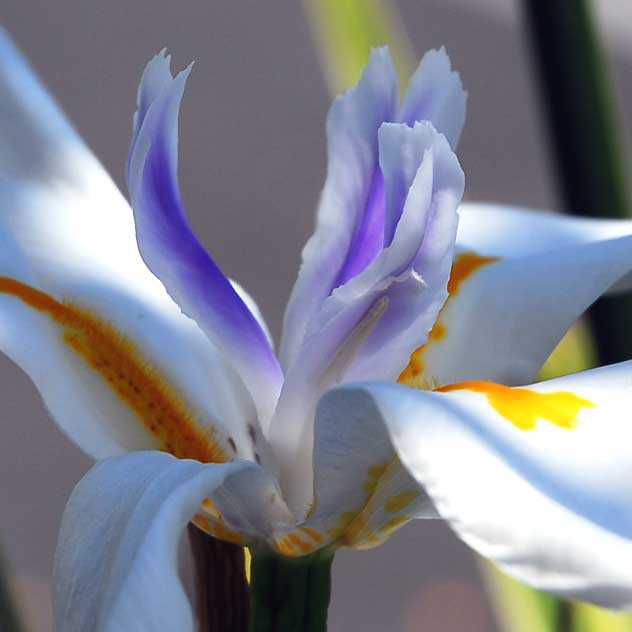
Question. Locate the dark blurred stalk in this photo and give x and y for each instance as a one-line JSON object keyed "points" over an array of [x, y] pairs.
{"points": [[585, 139], [587, 145], [9, 621], [222, 597]]}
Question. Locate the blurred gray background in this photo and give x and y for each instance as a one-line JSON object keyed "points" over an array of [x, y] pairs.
{"points": [[252, 161]]}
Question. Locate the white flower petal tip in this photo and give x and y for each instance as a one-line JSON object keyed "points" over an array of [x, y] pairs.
{"points": [[534, 478], [116, 562]]}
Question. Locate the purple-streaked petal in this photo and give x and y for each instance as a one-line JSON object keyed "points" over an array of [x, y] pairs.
{"points": [[174, 254], [435, 94], [348, 232], [367, 328]]}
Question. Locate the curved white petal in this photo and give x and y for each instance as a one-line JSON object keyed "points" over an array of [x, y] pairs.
{"points": [[116, 561], [511, 231], [505, 316], [68, 233], [534, 478]]}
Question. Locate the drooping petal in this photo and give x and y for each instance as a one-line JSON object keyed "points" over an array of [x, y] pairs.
{"points": [[362, 493], [511, 231], [533, 478], [172, 251], [435, 94], [368, 327], [505, 316], [79, 310], [351, 206], [116, 560]]}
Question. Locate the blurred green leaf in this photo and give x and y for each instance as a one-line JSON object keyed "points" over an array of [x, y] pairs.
{"points": [[345, 31], [518, 607], [575, 352], [9, 621]]}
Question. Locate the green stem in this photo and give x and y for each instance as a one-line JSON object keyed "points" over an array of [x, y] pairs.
{"points": [[289, 594], [582, 124]]}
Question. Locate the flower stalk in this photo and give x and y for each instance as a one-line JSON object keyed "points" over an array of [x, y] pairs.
{"points": [[289, 594], [582, 125], [221, 586]]}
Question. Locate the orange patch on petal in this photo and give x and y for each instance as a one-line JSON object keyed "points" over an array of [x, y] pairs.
{"points": [[142, 387], [523, 407], [463, 266]]}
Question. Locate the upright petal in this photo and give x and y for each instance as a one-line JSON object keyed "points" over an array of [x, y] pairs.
{"points": [[505, 316], [435, 94], [368, 327], [349, 223], [533, 478], [116, 564], [173, 253], [350, 229]]}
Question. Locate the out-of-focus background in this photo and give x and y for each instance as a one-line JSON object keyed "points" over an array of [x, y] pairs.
{"points": [[252, 161]]}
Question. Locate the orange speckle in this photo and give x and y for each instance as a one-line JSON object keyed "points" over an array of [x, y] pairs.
{"points": [[463, 266], [523, 407], [136, 383], [437, 332], [313, 534], [300, 544]]}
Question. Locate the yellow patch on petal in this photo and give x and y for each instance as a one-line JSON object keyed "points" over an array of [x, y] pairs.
{"points": [[463, 266], [135, 382], [374, 474], [392, 525], [400, 501], [523, 407]]}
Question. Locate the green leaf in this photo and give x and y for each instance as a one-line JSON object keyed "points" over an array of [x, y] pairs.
{"points": [[345, 31], [518, 607]]}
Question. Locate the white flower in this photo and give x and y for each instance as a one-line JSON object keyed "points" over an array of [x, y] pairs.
{"points": [[163, 357]]}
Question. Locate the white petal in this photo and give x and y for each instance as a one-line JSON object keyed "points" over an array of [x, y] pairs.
{"points": [[510, 231], [66, 231], [504, 317], [116, 560], [536, 479]]}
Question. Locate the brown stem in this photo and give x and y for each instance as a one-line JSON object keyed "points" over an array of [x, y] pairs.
{"points": [[223, 601]]}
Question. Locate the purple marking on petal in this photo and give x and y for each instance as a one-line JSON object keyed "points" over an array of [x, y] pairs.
{"points": [[178, 259], [368, 238]]}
